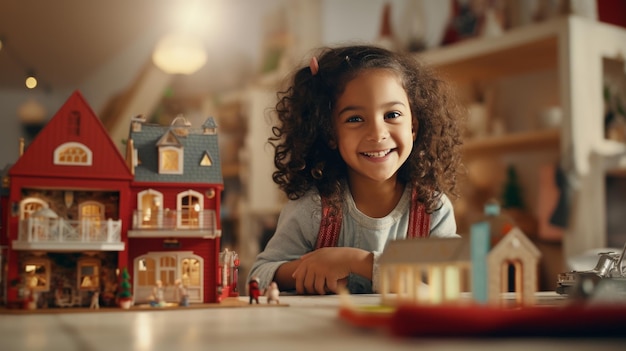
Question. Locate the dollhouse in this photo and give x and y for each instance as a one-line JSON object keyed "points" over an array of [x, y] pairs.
{"points": [[75, 212], [175, 193], [451, 265]]}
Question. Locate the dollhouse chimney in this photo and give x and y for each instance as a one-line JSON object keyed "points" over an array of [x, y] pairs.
{"points": [[136, 123], [209, 127]]}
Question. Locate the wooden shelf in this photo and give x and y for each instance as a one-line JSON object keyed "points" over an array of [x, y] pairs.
{"points": [[230, 170], [520, 50], [515, 142]]}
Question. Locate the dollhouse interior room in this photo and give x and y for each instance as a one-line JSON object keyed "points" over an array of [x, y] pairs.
{"points": [[104, 105]]}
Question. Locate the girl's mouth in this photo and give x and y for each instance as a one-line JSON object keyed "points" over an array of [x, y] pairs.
{"points": [[377, 154]]}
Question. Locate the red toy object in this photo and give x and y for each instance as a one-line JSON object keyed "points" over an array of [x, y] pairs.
{"points": [[253, 290], [490, 321]]}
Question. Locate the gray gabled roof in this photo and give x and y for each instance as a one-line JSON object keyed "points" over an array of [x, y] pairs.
{"points": [[426, 251], [195, 144]]}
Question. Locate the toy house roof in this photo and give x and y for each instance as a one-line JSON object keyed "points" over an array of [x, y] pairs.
{"points": [[514, 243], [196, 143], [75, 122], [425, 251]]}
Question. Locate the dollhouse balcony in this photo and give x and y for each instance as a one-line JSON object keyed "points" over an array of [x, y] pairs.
{"points": [[173, 223], [51, 234]]}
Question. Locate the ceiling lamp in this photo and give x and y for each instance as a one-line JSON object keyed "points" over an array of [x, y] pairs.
{"points": [[179, 54], [31, 80]]}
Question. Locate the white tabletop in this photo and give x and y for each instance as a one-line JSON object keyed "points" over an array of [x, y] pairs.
{"points": [[307, 323]]}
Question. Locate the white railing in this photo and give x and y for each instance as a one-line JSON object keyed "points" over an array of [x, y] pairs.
{"points": [[63, 230], [174, 220]]}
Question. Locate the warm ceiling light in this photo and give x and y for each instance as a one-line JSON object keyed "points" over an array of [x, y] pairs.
{"points": [[31, 81], [179, 54]]}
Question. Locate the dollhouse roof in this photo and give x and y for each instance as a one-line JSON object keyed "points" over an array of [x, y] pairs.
{"points": [[514, 245], [74, 122], [426, 251], [196, 144]]}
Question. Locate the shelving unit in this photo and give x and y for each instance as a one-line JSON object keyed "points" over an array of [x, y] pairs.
{"points": [[573, 48], [514, 142]]}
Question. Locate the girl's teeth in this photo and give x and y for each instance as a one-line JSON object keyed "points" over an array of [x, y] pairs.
{"points": [[376, 154]]}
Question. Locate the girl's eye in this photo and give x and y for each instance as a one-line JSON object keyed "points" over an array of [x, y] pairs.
{"points": [[353, 119], [391, 115]]}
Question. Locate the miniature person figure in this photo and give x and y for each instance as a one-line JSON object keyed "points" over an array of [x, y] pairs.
{"points": [[273, 293], [95, 300], [158, 299], [254, 290], [367, 149], [181, 291]]}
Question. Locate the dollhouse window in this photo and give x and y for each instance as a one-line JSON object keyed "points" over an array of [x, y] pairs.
{"points": [[73, 154], [190, 208], [191, 271], [170, 160], [146, 271], [167, 270], [150, 207], [91, 216], [31, 205], [206, 160], [88, 274], [37, 274]]}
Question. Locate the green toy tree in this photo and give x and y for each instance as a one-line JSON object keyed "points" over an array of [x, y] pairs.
{"points": [[512, 192], [125, 287]]}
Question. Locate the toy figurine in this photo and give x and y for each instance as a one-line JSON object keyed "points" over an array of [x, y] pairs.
{"points": [[157, 295], [95, 303], [273, 293], [183, 296], [253, 290]]}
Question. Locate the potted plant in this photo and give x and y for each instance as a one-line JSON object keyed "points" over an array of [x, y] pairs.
{"points": [[125, 296]]}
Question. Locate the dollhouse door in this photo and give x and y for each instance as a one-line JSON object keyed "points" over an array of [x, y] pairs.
{"points": [[91, 216]]}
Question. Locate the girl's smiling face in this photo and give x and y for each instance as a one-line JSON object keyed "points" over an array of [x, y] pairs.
{"points": [[373, 125]]}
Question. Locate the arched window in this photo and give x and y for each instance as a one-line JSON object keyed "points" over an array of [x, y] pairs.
{"points": [[73, 154], [30, 205], [190, 209], [91, 216], [150, 206]]}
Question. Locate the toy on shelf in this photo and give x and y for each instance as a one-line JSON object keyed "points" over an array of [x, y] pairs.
{"points": [[75, 211]]}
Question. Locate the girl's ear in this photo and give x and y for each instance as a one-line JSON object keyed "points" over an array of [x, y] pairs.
{"points": [[414, 128], [332, 144]]}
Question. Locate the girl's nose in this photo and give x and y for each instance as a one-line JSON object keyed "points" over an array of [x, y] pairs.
{"points": [[378, 131]]}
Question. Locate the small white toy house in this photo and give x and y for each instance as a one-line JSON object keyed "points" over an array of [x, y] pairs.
{"points": [[447, 265]]}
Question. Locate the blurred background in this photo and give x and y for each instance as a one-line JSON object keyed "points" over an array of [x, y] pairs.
{"points": [[227, 59]]}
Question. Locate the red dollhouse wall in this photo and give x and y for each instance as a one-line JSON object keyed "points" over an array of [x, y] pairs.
{"points": [[207, 249], [612, 11]]}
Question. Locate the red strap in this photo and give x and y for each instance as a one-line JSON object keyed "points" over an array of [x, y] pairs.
{"points": [[330, 226], [419, 220]]}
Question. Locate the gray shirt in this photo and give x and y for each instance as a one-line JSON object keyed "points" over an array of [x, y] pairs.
{"points": [[299, 222]]}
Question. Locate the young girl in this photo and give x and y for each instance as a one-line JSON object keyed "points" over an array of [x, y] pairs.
{"points": [[366, 149]]}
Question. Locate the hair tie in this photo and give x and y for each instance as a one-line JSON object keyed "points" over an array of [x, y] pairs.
{"points": [[314, 65]]}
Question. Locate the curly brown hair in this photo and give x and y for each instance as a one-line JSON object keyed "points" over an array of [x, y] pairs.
{"points": [[303, 157]]}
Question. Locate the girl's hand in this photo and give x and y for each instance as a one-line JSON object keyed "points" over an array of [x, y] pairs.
{"points": [[326, 269]]}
